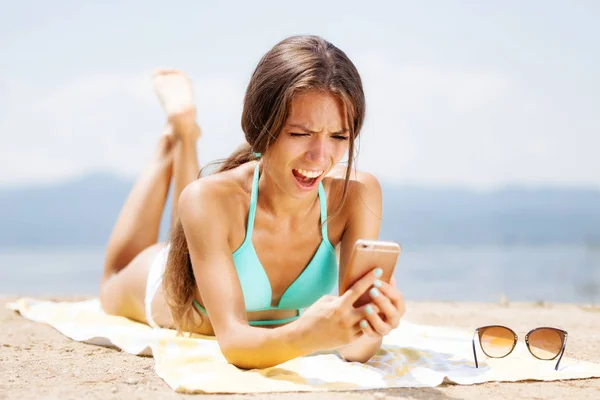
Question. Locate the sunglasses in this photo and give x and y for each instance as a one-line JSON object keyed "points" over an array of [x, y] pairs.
{"points": [[543, 343]]}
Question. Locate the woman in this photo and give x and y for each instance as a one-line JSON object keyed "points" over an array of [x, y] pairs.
{"points": [[251, 258]]}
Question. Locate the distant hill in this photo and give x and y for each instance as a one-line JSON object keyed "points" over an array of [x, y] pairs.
{"points": [[83, 211], [77, 212]]}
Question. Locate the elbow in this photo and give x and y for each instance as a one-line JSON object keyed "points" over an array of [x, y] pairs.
{"points": [[244, 358], [361, 351], [234, 354], [361, 358], [243, 353], [232, 358], [233, 349], [254, 348], [238, 360]]}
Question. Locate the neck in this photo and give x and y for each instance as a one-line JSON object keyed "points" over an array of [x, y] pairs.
{"points": [[279, 204]]}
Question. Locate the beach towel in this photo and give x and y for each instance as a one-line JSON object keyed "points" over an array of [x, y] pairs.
{"points": [[412, 356]]}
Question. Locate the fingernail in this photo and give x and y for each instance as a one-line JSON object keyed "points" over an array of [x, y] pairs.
{"points": [[363, 324], [377, 283], [369, 309], [374, 292], [378, 272]]}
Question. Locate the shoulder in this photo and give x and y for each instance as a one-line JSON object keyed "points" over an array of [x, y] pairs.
{"points": [[215, 196], [358, 214], [363, 188]]}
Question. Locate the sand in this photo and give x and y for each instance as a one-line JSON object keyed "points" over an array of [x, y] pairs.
{"points": [[38, 362]]}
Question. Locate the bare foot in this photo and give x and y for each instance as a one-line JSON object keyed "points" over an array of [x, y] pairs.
{"points": [[174, 91]]}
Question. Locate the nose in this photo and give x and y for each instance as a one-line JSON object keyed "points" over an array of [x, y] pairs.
{"points": [[318, 151]]}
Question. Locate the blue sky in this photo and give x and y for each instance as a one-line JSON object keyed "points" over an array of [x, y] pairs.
{"points": [[480, 94]]}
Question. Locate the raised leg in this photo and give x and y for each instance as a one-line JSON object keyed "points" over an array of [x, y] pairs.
{"points": [[175, 92], [185, 168], [137, 226]]}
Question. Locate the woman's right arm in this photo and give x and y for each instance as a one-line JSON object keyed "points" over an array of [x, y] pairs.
{"points": [[329, 323]]}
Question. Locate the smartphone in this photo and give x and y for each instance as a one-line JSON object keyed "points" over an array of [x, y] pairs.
{"points": [[367, 255]]}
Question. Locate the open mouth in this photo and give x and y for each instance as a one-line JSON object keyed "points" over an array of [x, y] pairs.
{"points": [[306, 178]]}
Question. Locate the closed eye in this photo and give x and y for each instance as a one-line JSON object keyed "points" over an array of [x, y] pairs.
{"points": [[340, 137], [336, 137]]}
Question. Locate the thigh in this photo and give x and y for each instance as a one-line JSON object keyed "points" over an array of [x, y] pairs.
{"points": [[123, 293]]}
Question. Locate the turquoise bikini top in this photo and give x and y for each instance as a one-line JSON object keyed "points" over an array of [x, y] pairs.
{"points": [[318, 278]]}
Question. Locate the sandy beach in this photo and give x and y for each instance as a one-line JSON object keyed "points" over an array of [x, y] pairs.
{"points": [[38, 362]]}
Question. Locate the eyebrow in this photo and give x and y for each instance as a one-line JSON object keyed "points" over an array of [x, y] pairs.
{"points": [[345, 130]]}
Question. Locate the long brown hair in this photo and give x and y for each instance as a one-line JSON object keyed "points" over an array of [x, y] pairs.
{"points": [[295, 64]]}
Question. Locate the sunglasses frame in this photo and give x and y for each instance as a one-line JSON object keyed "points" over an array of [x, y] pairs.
{"points": [[481, 330]]}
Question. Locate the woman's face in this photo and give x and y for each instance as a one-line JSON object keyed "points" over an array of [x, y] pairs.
{"points": [[314, 138]]}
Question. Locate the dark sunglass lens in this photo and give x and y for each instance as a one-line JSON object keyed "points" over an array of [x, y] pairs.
{"points": [[545, 343], [497, 341]]}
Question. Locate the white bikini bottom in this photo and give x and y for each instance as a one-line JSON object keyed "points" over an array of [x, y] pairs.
{"points": [[155, 279]]}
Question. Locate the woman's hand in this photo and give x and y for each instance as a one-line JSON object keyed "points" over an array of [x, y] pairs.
{"points": [[386, 309], [333, 322]]}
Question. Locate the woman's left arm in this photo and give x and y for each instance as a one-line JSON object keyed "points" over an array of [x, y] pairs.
{"points": [[364, 211]]}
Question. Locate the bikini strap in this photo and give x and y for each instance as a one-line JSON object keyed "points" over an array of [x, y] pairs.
{"points": [[323, 205], [253, 199]]}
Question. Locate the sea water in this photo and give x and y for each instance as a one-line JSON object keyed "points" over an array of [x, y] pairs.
{"points": [[483, 273]]}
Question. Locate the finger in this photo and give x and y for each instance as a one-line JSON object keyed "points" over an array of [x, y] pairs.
{"points": [[371, 312], [367, 329], [362, 311], [356, 330], [393, 294], [393, 281], [361, 286], [394, 310], [385, 305], [389, 290], [359, 331]]}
